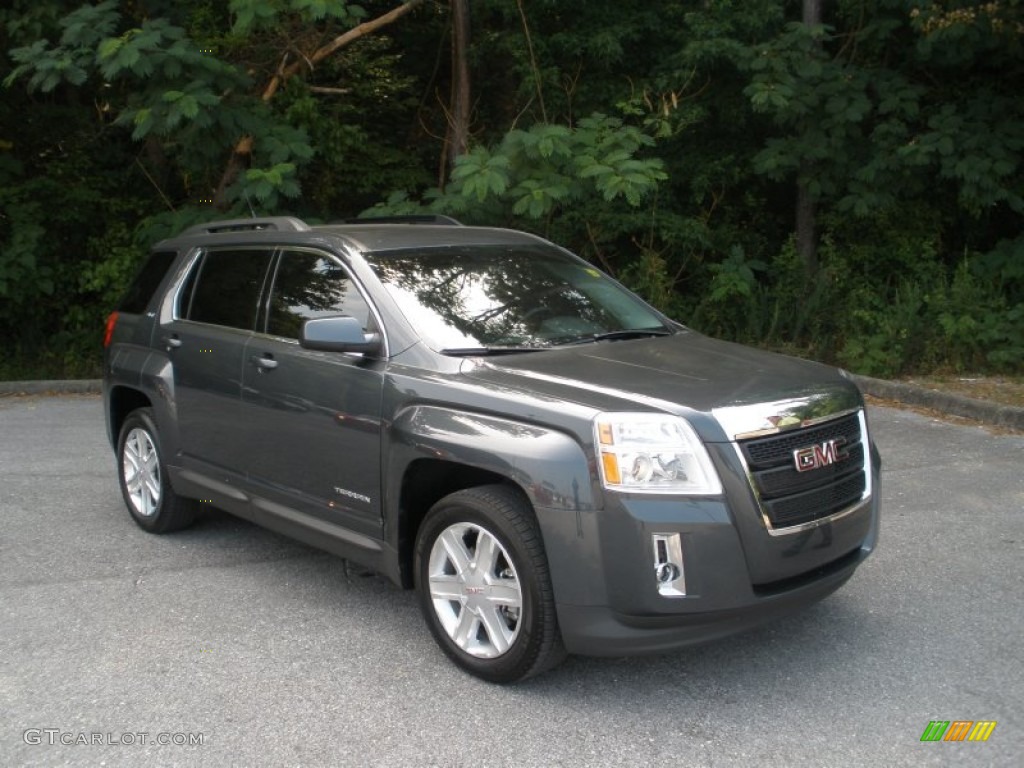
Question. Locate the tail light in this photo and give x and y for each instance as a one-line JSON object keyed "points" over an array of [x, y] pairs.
{"points": [[109, 330]]}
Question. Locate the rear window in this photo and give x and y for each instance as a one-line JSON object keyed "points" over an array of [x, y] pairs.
{"points": [[136, 299], [225, 286]]}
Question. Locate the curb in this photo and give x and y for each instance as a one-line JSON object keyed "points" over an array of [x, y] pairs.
{"points": [[55, 387], [985, 411]]}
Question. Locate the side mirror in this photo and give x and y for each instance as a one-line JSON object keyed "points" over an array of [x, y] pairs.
{"points": [[340, 333]]}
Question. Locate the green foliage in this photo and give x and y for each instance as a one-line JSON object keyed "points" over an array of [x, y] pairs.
{"points": [[882, 308], [649, 276], [976, 328], [482, 174], [732, 289], [857, 129], [734, 277], [20, 274], [532, 174], [361, 137], [251, 15], [163, 85], [978, 146], [127, 125], [55, 289], [72, 59], [539, 169], [903, 118], [266, 185], [1003, 266]]}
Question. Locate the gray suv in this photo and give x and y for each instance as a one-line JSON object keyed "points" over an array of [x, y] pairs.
{"points": [[555, 466]]}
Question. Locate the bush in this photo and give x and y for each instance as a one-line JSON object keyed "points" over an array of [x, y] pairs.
{"points": [[883, 303]]}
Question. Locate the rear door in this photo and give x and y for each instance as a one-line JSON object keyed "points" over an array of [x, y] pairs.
{"points": [[214, 320], [313, 418]]}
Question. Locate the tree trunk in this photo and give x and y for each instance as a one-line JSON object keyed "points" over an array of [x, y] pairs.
{"points": [[807, 227], [458, 121], [812, 12], [806, 204]]}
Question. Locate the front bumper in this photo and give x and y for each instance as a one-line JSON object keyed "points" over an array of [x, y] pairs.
{"points": [[737, 575], [602, 631]]}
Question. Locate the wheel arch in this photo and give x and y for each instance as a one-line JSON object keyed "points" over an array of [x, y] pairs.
{"points": [[121, 401], [425, 482], [436, 451]]}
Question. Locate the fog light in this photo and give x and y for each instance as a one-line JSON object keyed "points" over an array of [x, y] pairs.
{"points": [[666, 572], [669, 574]]}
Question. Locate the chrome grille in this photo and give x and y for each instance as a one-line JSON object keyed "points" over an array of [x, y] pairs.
{"points": [[789, 497]]}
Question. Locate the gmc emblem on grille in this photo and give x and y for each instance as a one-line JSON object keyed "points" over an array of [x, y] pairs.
{"points": [[822, 455]]}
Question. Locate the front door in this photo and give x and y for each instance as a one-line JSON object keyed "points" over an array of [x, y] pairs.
{"points": [[314, 418]]}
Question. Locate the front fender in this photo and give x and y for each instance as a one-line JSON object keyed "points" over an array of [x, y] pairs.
{"points": [[552, 469], [549, 466]]}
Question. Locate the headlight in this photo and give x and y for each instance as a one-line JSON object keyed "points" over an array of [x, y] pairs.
{"points": [[653, 453]]}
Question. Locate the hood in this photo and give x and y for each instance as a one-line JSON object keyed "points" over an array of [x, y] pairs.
{"points": [[726, 390]]}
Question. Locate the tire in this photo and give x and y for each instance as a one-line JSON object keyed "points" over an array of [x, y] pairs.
{"points": [[145, 484], [484, 585]]}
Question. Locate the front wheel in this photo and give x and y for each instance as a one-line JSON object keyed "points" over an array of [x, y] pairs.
{"points": [[484, 585], [145, 486]]}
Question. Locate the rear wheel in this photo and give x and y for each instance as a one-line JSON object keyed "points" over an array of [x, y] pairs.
{"points": [[145, 486], [484, 585]]}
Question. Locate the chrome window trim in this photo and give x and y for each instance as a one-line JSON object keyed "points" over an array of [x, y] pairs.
{"points": [[172, 312], [179, 282], [857, 506]]}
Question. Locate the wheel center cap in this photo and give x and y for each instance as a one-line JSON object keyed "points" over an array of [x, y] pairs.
{"points": [[474, 589]]}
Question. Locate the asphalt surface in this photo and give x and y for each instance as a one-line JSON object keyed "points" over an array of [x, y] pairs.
{"points": [[275, 654]]}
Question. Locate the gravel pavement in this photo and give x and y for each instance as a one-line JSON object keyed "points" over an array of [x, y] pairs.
{"points": [[273, 654]]}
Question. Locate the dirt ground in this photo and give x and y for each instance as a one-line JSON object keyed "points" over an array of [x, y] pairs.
{"points": [[1008, 390]]}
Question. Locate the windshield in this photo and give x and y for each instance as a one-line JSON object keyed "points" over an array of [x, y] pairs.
{"points": [[500, 297]]}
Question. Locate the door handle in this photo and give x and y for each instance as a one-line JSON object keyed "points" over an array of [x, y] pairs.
{"points": [[266, 362], [172, 342]]}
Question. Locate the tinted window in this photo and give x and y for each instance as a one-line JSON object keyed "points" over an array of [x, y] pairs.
{"points": [[311, 285], [227, 287], [147, 280], [523, 296]]}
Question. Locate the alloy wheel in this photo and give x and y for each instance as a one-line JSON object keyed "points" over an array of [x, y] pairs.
{"points": [[141, 472], [475, 590]]}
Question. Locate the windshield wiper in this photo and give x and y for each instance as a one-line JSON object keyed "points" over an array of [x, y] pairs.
{"points": [[484, 351], [634, 333]]}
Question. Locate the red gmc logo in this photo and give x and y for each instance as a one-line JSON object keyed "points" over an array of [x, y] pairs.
{"points": [[817, 456]]}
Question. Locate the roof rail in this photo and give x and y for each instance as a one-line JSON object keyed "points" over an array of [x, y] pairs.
{"points": [[412, 218], [279, 223]]}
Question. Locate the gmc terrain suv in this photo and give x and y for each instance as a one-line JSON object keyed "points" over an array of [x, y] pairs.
{"points": [[555, 466]]}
